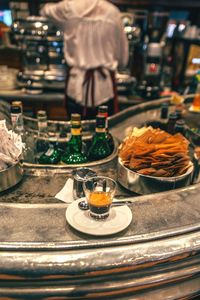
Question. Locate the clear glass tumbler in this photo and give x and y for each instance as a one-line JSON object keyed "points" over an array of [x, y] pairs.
{"points": [[99, 192]]}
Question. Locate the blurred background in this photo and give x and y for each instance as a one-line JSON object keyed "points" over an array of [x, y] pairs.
{"points": [[164, 53]]}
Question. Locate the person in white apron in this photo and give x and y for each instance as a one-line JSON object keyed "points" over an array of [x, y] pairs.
{"points": [[95, 44]]}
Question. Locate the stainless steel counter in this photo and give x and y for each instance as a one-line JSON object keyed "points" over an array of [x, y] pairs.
{"points": [[156, 257]]}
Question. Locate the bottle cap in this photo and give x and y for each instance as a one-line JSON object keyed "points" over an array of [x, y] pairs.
{"points": [[41, 113], [103, 109], [180, 123], [173, 116], [180, 126], [75, 117], [15, 109], [17, 103], [178, 113]]}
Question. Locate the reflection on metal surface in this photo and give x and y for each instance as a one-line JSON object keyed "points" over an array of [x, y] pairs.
{"points": [[63, 167], [10, 176], [157, 257], [144, 184], [146, 268]]}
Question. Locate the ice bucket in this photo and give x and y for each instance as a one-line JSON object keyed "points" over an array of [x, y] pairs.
{"points": [[11, 176]]}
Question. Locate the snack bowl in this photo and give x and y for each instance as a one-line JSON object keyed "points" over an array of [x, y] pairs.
{"points": [[146, 184], [11, 176]]}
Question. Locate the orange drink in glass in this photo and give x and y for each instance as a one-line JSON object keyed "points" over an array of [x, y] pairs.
{"points": [[196, 102], [99, 193]]}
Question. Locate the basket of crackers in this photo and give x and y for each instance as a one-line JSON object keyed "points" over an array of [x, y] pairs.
{"points": [[152, 160]]}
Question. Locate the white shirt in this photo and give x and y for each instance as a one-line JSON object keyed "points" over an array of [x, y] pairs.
{"points": [[93, 37]]}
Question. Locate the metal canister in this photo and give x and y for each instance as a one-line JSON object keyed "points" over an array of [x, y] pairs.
{"points": [[79, 176]]}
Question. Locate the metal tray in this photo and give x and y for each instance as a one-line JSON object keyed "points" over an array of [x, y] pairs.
{"points": [[11, 176], [62, 168], [144, 184]]}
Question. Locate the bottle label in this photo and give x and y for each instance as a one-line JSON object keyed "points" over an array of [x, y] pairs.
{"points": [[49, 151], [106, 116], [14, 118], [76, 131], [100, 130], [42, 125], [17, 122]]}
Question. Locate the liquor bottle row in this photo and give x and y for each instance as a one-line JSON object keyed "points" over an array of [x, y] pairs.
{"points": [[179, 118], [173, 121], [169, 121], [47, 149]]}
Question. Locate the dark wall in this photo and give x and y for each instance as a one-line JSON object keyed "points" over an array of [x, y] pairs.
{"points": [[164, 3], [4, 4], [138, 3], [192, 5]]}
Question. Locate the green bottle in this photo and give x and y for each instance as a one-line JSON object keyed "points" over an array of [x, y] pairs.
{"points": [[100, 145], [73, 152], [53, 154], [42, 144], [103, 111]]}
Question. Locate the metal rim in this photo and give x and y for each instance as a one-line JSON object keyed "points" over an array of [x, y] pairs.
{"points": [[190, 170], [11, 167]]}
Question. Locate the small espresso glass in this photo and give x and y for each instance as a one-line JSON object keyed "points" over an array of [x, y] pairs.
{"points": [[99, 192]]}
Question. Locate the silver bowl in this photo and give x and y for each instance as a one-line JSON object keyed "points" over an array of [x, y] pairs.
{"points": [[145, 184], [11, 176]]}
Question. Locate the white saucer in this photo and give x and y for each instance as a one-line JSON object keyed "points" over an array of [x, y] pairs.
{"points": [[119, 218]]}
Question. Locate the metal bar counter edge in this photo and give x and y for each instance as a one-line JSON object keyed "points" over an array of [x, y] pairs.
{"points": [[156, 257]]}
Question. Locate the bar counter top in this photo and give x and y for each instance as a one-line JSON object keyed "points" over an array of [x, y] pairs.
{"points": [[156, 257], [21, 95]]}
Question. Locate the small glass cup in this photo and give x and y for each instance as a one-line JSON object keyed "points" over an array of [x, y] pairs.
{"points": [[99, 192]]}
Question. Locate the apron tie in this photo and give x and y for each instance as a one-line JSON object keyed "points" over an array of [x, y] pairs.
{"points": [[89, 83], [115, 98], [68, 69]]}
